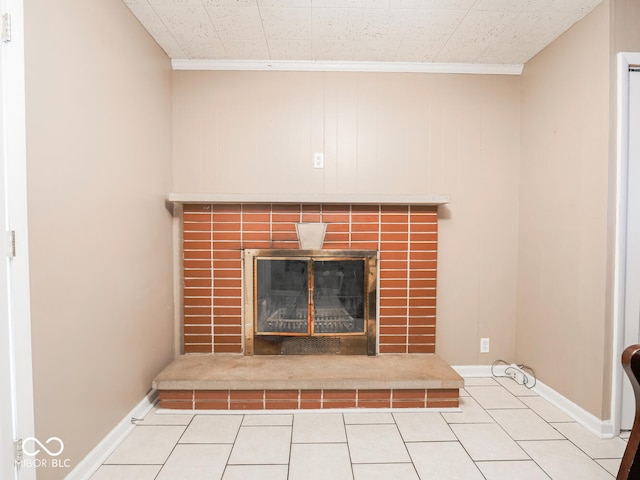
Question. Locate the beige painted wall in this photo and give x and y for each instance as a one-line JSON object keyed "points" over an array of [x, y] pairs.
{"points": [[255, 132], [562, 320], [625, 36], [99, 165], [625, 21]]}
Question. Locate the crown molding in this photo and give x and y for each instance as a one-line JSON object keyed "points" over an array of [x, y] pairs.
{"points": [[310, 66]]}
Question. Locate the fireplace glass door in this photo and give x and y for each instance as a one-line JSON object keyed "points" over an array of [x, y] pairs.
{"points": [[283, 294], [310, 296], [338, 296], [309, 302]]}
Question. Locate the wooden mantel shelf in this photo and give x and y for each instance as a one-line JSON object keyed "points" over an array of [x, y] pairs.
{"points": [[307, 198]]}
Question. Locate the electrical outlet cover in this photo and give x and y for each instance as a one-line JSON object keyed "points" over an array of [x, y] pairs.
{"points": [[318, 160]]}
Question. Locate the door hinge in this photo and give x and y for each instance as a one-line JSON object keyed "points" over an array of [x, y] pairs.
{"points": [[18, 453], [12, 243], [6, 27]]}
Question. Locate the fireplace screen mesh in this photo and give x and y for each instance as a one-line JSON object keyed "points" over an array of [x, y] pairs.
{"points": [[310, 297]]}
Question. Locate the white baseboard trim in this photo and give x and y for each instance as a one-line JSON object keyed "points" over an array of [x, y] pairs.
{"points": [[477, 371], [601, 428], [89, 464]]}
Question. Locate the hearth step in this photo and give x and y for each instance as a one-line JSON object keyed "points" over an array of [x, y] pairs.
{"points": [[220, 382]]}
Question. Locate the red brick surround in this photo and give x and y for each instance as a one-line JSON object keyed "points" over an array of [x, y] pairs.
{"points": [[215, 235], [307, 399]]}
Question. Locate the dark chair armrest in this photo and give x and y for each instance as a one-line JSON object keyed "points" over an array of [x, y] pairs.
{"points": [[630, 465]]}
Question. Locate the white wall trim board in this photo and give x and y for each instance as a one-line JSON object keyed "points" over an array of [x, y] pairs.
{"points": [[601, 428], [391, 67], [89, 464], [478, 371]]}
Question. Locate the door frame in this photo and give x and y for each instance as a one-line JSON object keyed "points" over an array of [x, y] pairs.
{"points": [[7, 370], [624, 61], [14, 204]]}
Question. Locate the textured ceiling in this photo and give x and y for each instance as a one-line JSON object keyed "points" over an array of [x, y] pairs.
{"points": [[424, 31]]}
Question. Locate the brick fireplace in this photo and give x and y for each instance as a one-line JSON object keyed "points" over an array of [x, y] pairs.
{"points": [[215, 235], [221, 368]]}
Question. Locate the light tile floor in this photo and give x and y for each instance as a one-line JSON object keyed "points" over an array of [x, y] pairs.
{"points": [[503, 431]]}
